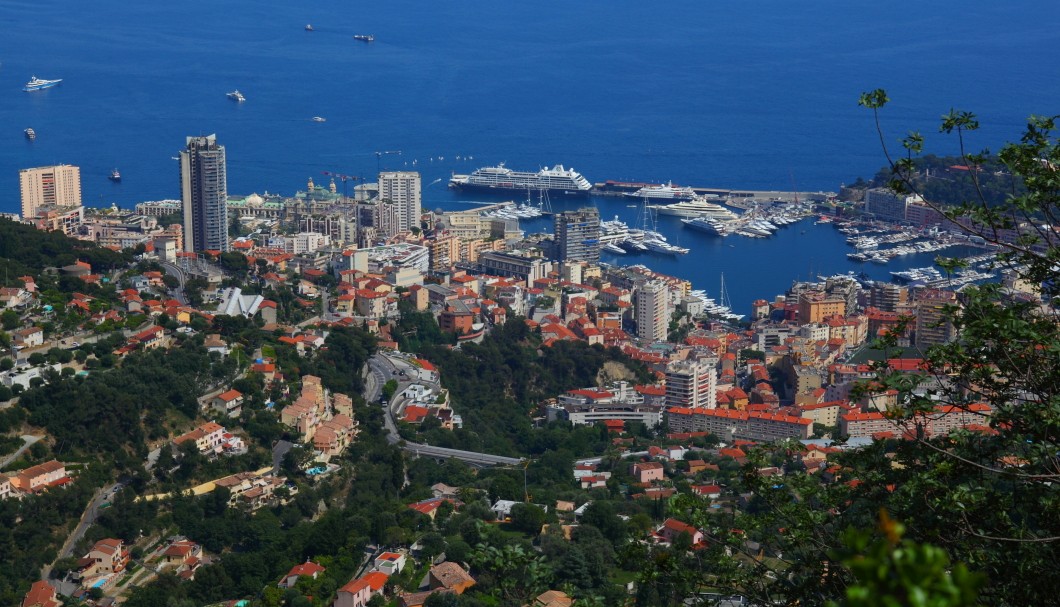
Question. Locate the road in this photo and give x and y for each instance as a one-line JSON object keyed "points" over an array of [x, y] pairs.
{"points": [[178, 273], [27, 442], [88, 518], [381, 369]]}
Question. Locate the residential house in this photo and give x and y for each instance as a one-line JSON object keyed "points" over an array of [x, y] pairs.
{"points": [[451, 577], [430, 506], [647, 472], [503, 509], [106, 556], [39, 477], [183, 556], [552, 598], [30, 337], [207, 438], [229, 403], [672, 528], [307, 569], [41, 594], [250, 489], [152, 337], [6, 490], [390, 563], [357, 592]]}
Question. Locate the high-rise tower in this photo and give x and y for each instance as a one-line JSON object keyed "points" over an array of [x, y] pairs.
{"points": [[204, 191], [403, 190], [578, 235], [58, 186]]}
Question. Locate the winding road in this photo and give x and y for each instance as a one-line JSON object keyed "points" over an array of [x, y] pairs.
{"points": [[381, 369]]}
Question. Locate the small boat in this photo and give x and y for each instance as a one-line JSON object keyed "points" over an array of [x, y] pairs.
{"points": [[319, 119], [30, 134], [37, 84], [115, 175], [308, 28], [364, 37], [236, 96]]}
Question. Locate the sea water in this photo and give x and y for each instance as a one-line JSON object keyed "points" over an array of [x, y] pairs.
{"points": [[757, 95]]}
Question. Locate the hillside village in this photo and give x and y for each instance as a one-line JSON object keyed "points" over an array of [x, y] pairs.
{"points": [[307, 368]]}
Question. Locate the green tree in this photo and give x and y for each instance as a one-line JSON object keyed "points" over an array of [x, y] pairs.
{"points": [[9, 320]]}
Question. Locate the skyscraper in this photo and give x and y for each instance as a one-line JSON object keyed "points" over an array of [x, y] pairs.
{"points": [[651, 310], [403, 189], [58, 186], [204, 191], [578, 235], [692, 383]]}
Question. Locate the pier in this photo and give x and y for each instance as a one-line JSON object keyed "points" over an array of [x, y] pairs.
{"points": [[734, 197]]}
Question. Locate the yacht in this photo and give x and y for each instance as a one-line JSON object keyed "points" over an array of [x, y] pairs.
{"points": [[706, 224], [319, 119], [668, 192], [309, 28], [697, 207], [613, 248], [236, 96], [37, 84], [30, 134], [659, 246], [115, 175], [364, 37]]}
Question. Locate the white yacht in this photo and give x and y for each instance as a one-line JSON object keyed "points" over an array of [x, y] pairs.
{"points": [[697, 207]]}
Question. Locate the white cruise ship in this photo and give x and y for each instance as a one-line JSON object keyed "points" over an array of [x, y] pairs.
{"points": [[697, 207], [555, 181], [667, 192]]}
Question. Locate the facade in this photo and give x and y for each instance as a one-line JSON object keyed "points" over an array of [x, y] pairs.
{"points": [[204, 195], [58, 186], [651, 310], [509, 265], [692, 384], [403, 190], [931, 326], [815, 306], [886, 205], [730, 424], [578, 235]]}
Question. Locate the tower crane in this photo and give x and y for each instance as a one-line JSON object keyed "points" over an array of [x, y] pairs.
{"points": [[344, 179]]}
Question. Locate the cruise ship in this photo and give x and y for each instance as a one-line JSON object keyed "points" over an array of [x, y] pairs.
{"points": [[555, 181], [698, 207], [36, 84], [668, 192]]}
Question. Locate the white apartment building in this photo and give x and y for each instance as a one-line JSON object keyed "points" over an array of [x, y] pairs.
{"points": [[403, 189], [651, 310], [692, 384]]}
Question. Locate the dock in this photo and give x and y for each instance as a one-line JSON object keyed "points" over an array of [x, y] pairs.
{"points": [[733, 196]]}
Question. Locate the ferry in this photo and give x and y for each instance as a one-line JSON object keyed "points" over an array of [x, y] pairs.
{"points": [[115, 175], [555, 181], [364, 37], [697, 207], [37, 84], [30, 134], [236, 96], [669, 191]]}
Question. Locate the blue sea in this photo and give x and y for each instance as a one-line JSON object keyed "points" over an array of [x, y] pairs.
{"points": [[758, 95]]}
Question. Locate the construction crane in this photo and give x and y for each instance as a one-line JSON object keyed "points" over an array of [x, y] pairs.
{"points": [[343, 179], [379, 156]]}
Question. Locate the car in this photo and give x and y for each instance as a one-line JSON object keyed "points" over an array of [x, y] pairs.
{"points": [[77, 344]]}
